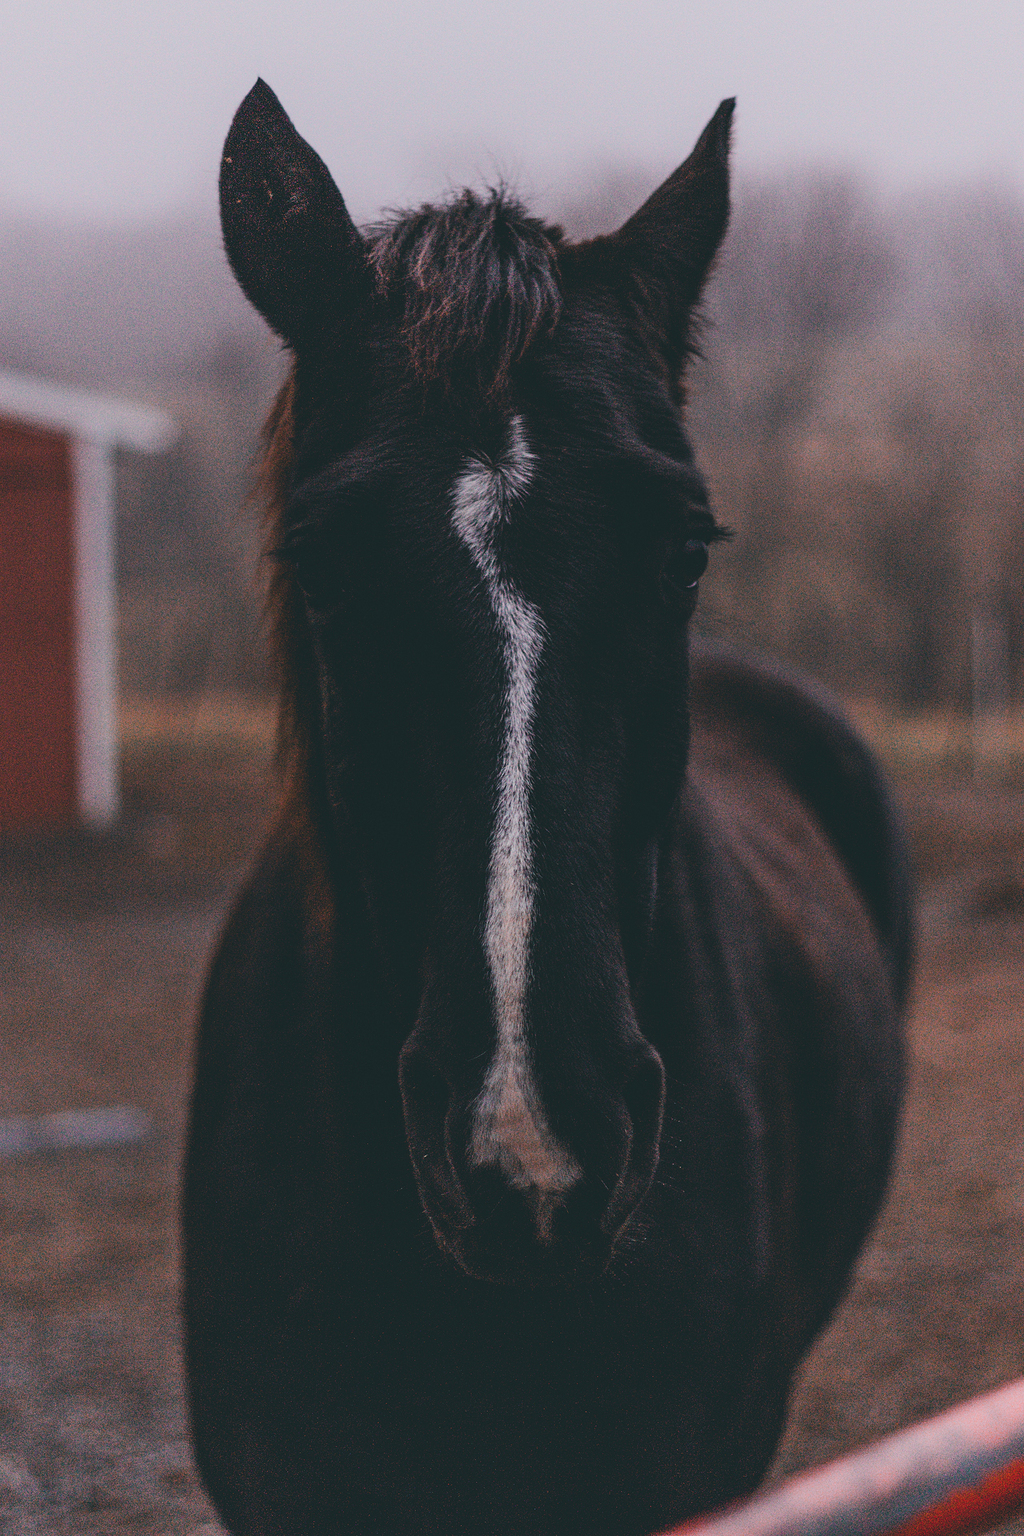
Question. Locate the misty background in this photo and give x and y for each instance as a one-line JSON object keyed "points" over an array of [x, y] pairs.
{"points": [[860, 402]]}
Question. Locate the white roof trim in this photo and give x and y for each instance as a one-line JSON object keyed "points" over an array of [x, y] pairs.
{"points": [[85, 414]]}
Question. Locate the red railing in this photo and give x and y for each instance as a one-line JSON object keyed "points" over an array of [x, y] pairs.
{"points": [[962, 1471]]}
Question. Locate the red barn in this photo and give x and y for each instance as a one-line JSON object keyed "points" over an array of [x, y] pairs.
{"points": [[58, 601]]}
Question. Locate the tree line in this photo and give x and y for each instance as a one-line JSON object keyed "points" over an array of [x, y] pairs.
{"points": [[858, 409]]}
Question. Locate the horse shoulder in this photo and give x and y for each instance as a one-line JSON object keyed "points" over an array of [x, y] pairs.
{"points": [[779, 750], [801, 814], [258, 1066]]}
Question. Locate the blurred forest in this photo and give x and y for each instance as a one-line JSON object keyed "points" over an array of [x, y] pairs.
{"points": [[858, 409]]}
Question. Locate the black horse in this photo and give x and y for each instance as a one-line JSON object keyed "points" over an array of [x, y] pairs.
{"points": [[550, 1062]]}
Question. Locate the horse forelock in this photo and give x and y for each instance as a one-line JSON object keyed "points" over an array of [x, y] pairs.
{"points": [[475, 281]]}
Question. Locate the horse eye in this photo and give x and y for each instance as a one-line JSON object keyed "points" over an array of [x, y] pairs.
{"points": [[685, 568]]}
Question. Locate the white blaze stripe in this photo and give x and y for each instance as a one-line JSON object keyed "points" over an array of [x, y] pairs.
{"points": [[510, 1130]]}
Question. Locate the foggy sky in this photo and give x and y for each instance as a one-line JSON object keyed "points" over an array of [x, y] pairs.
{"points": [[116, 111]]}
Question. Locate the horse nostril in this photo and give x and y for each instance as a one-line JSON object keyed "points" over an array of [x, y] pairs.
{"points": [[644, 1096], [428, 1106]]}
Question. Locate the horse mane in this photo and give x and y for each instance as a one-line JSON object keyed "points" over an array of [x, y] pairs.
{"points": [[285, 616], [475, 283]]}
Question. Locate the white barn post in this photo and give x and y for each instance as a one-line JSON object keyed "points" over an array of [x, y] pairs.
{"points": [[94, 426], [99, 795]]}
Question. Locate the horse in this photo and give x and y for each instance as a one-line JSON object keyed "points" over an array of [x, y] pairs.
{"points": [[550, 1061]]}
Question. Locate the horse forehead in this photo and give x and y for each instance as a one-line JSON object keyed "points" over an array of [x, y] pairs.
{"points": [[542, 532], [489, 485]]}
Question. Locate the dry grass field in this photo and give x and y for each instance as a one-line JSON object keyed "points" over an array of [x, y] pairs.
{"points": [[102, 948]]}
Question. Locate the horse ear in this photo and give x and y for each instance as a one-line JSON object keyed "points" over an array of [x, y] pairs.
{"points": [[672, 240], [659, 260], [289, 238]]}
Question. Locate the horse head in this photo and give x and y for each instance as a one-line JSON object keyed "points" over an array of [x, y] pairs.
{"points": [[490, 532]]}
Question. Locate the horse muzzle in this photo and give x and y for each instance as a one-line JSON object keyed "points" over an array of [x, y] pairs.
{"points": [[508, 1213]]}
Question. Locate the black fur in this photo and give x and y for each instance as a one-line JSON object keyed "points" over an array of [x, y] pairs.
{"points": [[385, 1335], [475, 282]]}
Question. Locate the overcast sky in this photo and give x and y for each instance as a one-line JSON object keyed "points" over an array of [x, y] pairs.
{"points": [[116, 111]]}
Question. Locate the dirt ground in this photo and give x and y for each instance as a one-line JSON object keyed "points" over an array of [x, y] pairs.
{"points": [[102, 947]]}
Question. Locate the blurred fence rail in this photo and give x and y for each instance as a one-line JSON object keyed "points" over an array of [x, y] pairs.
{"points": [[959, 1472]]}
